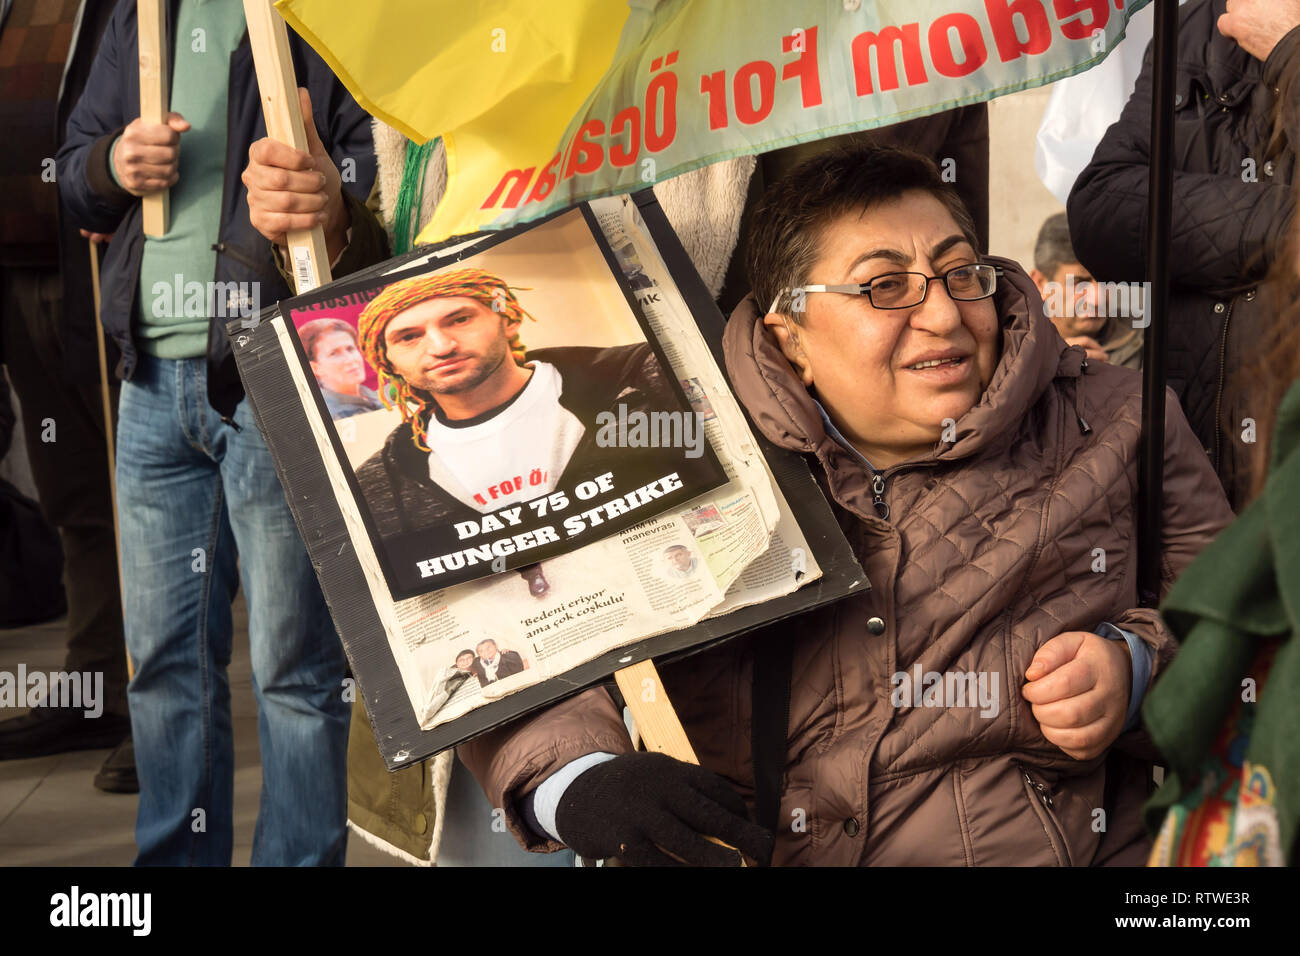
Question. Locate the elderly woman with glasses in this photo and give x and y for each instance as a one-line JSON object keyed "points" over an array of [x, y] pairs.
{"points": [[978, 705]]}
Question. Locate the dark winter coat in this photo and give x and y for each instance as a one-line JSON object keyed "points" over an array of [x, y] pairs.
{"points": [[93, 200], [1231, 205]]}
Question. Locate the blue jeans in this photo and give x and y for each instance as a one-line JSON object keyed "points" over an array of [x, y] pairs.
{"points": [[201, 509]]}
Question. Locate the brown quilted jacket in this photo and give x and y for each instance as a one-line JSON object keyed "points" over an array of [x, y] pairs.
{"points": [[990, 551]]}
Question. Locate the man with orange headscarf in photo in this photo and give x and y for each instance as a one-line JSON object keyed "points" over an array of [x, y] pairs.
{"points": [[486, 423]]}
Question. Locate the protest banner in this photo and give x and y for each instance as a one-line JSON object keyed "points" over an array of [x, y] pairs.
{"points": [[681, 87]]}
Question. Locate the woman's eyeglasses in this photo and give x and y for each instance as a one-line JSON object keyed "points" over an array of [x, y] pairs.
{"points": [[903, 290]]}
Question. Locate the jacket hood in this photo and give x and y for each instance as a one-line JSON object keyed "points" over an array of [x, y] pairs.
{"points": [[1033, 354]]}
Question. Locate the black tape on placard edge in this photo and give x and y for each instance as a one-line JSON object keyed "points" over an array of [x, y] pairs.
{"points": [[283, 422]]}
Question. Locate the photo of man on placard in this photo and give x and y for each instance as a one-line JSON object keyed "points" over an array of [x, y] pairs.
{"points": [[526, 408], [486, 422], [496, 664]]}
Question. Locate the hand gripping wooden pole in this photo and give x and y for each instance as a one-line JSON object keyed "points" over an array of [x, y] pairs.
{"points": [[269, 38], [151, 25], [656, 720]]}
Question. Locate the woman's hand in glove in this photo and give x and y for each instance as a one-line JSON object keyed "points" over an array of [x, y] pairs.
{"points": [[649, 809]]}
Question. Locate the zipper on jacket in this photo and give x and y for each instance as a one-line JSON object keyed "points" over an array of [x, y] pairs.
{"points": [[1084, 427], [1218, 394], [878, 495], [1044, 796], [879, 485], [1053, 826], [225, 249], [219, 246]]}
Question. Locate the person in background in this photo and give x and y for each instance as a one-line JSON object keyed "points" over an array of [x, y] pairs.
{"points": [[1074, 303], [1225, 714], [1232, 168], [200, 507], [331, 347], [48, 343]]}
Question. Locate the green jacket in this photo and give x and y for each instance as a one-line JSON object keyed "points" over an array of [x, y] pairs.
{"points": [[1241, 597], [399, 811]]}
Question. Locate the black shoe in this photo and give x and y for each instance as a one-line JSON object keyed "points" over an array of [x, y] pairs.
{"points": [[55, 730], [118, 773]]}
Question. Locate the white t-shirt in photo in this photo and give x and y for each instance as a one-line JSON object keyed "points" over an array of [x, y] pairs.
{"points": [[514, 456]]}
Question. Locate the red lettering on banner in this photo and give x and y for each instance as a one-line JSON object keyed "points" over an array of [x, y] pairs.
{"points": [[883, 43], [521, 177], [972, 44], [743, 91], [810, 84], [546, 181], [1075, 29], [661, 106], [629, 119], [1002, 18], [714, 86], [584, 155]]}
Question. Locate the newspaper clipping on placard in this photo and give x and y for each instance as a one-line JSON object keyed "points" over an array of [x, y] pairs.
{"points": [[461, 646]]}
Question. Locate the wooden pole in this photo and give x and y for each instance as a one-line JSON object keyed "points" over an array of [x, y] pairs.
{"points": [[151, 21], [269, 38], [656, 720], [108, 424]]}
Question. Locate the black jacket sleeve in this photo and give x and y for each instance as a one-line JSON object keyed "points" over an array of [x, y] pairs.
{"points": [[1222, 227], [92, 198]]}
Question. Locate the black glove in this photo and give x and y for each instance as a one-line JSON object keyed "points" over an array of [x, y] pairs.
{"points": [[637, 806]]}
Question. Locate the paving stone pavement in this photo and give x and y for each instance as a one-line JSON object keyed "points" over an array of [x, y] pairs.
{"points": [[52, 815]]}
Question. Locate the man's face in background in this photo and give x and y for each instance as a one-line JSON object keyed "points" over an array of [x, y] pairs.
{"points": [[448, 346], [487, 650], [681, 557], [1079, 312]]}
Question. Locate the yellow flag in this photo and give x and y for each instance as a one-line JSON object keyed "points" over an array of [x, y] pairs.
{"points": [[498, 80]]}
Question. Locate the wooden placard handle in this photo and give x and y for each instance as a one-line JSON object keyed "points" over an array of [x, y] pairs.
{"points": [[269, 38], [656, 720], [151, 25]]}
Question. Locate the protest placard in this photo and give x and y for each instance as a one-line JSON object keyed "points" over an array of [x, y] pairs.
{"points": [[748, 540]]}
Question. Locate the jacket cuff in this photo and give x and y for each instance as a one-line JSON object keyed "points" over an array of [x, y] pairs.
{"points": [[1142, 657], [368, 244], [540, 807], [99, 171], [1281, 56], [526, 783]]}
